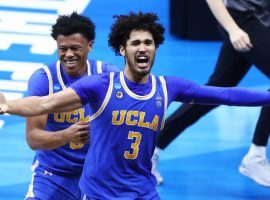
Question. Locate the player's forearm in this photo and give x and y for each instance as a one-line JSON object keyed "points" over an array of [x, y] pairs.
{"points": [[28, 107], [231, 96], [34, 106], [222, 15], [46, 140]]}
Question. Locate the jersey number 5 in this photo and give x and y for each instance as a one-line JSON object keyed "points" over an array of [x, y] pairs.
{"points": [[135, 145]]}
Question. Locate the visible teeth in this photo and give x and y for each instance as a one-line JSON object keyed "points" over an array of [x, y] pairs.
{"points": [[71, 61], [142, 59]]}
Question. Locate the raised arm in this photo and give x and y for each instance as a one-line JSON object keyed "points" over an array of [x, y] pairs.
{"points": [[239, 38], [66, 100]]}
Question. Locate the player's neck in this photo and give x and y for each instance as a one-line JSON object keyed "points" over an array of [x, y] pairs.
{"points": [[136, 77]]}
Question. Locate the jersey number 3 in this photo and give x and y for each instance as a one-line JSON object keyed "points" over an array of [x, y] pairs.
{"points": [[134, 146]]}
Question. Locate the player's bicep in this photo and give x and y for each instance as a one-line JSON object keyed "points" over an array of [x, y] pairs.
{"points": [[180, 90], [34, 124], [38, 122]]}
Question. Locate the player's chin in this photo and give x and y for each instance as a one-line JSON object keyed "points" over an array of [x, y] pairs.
{"points": [[144, 72]]}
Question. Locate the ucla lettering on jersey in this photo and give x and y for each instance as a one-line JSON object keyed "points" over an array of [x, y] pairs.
{"points": [[134, 118], [70, 157], [126, 142]]}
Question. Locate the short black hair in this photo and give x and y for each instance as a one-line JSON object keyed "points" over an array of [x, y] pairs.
{"points": [[125, 24], [73, 23]]}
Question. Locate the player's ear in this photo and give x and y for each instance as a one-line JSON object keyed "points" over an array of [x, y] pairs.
{"points": [[90, 45], [122, 50]]}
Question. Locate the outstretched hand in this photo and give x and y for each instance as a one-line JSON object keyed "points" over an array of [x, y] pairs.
{"points": [[3, 104]]}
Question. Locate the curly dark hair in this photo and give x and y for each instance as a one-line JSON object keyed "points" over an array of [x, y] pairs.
{"points": [[125, 24], [74, 23]]}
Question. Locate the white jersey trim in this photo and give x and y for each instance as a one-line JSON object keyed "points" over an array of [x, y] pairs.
{"points": [[30, 192], [164, 87], [49, 75], [99, 67], [88, 68], [136, 96], [59, 75], [106, 100]]}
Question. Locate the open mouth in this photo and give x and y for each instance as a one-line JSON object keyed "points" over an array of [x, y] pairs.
{"points": [[71, 62], [142, 61]]}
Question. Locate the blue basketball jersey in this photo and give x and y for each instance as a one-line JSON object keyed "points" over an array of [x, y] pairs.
{"points": [[127, 117], [69, 158], [125, 126]]}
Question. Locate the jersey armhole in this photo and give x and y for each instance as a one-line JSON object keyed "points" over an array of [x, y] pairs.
{"points": [[165, 92], [49, 75]]}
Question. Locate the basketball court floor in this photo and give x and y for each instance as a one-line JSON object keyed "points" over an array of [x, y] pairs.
{"points": [[201, 164]]}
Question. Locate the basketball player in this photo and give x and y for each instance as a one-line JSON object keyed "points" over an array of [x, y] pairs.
{"points": [[62, 139], [129, 109]]}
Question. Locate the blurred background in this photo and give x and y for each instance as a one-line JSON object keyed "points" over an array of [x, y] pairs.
{"points": [[202, 164]]}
